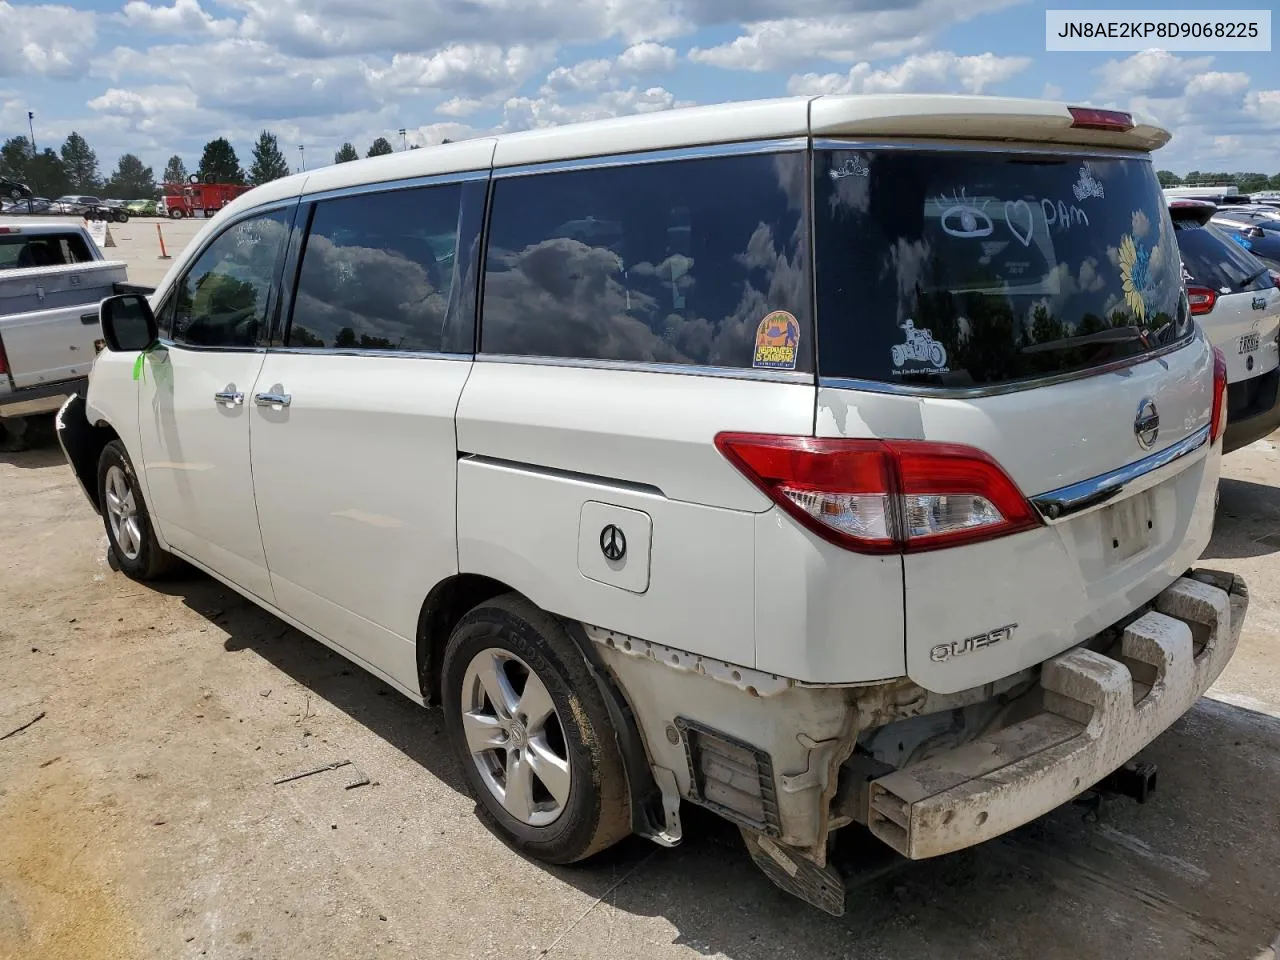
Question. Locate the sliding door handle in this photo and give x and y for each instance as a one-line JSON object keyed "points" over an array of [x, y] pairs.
{"points": [[231, 398], [272, 399]]}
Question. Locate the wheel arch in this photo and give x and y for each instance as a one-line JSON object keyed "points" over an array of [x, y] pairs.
{"points": [[452, 598], [82, 444]]}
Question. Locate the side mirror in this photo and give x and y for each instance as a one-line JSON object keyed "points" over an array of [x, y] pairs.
{"points": [[127, 323]]}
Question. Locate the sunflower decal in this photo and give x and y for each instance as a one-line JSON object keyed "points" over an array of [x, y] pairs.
{"points": [[1135, 271]]}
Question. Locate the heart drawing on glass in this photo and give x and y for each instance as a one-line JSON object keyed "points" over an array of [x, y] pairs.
{"points": [[1012, 217]]}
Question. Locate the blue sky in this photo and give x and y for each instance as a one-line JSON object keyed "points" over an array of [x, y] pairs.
{"points": [[162, 78]]}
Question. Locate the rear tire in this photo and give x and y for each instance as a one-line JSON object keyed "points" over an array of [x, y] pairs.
{"points": [[131, 539], [574, 803]]}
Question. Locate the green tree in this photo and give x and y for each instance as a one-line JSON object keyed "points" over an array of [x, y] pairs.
{"points": [[131, 180], [81, 164], [175, 171], [268, 162], [380, 147], [1168, 178], [1251, 182], [346, 153], [219, 162], [15, 159], [48, 176]]}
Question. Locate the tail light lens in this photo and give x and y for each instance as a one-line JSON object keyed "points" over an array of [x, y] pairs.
{"points": [[1202, 299], [4, 361], [883, 496], [1218, 417]]}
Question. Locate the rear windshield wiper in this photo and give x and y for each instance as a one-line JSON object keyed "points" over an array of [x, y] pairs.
{"points": [[1110, 335], [1248, 280]]}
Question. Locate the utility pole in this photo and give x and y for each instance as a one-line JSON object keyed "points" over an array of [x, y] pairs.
{"points": [[31, 125], [302, 152], [404, 139]]}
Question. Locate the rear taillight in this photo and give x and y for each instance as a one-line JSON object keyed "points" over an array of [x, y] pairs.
{"points": [[883, 496], [1202, 299], [1087, 118], [4, 361], [1218, 415]]}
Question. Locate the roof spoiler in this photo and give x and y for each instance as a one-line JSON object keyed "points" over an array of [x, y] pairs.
{"points": [[1186, 209], [982, 118]]}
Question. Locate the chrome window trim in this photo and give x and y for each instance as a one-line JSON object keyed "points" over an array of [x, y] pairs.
{"points": [[639, 366], [995, 390], [702, 152], [390, 186], [1058, 505], [979, 146], [168, 344], [357, 352]]}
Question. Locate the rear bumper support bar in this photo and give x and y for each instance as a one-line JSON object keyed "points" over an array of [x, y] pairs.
{"points": [[1099, 711]]}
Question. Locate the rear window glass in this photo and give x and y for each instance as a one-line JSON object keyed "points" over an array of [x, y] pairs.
{"points": [[1214, 259], [377, 270], [699, 262], [18, 251], [967, 269]]}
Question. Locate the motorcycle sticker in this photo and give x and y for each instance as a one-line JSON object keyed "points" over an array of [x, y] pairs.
{"points": [[919, 348], [777, 342]]}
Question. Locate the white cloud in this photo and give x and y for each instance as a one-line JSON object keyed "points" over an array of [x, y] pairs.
{"points": [[775, 44], [1152, 73], [936, 72], [185, 17], [646, 57], [47, 40], [588, 76], [333, 27], [522, 113], [467, 70]]}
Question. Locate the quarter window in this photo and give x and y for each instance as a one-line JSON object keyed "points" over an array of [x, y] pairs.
{"points": [[224, 299], [377, 271], [685, 262]]}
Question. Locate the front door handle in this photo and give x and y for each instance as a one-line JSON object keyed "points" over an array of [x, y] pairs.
{"points": [[272, 399], [231, 398]]}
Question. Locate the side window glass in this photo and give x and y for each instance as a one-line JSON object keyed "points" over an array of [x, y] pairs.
{"points": [[377, 271], [223, 299], [700, 262]]}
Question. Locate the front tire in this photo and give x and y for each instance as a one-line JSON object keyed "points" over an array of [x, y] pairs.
{"points": [[532, 732], [175, 214], [131, 539]]}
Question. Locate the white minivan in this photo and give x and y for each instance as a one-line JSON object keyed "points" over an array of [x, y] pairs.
{"points": [[820, 461]]}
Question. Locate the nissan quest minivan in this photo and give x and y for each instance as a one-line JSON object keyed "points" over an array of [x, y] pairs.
{"points": [[826, 462]]}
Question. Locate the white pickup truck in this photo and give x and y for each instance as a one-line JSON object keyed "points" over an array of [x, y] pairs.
{"points": [[52, 277]]}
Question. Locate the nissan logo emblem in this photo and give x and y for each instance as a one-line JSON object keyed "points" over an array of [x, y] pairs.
{"points": [[1146, 425]]}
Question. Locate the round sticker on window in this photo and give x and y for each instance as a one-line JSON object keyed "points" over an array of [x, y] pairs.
{"points": [[777, 342]]}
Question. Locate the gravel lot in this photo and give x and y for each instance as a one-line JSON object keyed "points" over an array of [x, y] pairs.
{"points": [[140, 819]]}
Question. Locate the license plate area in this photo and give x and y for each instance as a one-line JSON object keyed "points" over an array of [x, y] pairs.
{"points": [[1128, 527], [1247, 344]]}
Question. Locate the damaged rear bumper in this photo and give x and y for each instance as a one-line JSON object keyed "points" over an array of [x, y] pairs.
{"points": [[1098, 711]]}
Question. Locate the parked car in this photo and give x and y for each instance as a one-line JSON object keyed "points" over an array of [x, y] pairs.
{"points": [[141, 208], [1236, 300], [12, 190], [116, 210], [52, 278], [632, 480], [91, 208], [1255, 227]]}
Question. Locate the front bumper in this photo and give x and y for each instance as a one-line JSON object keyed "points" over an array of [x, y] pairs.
{"points": [[1098, 711]]}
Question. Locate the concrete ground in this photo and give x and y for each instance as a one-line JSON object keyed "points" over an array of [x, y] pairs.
{"points": [[138, 244], [140, 819], [138, 815]]}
